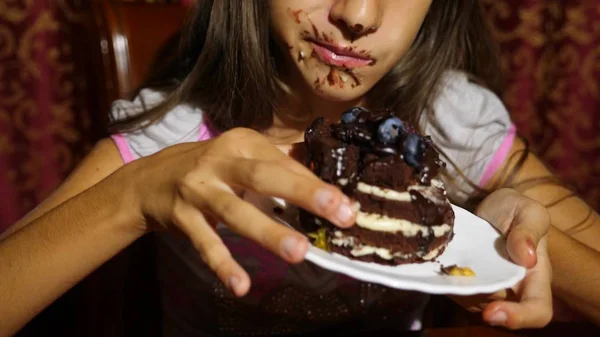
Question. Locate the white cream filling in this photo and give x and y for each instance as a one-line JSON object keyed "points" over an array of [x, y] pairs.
{"points": [[441, 230], [437, 183], [434, 253], [389, 194], [378, 222], [382, 223], [339, 155], [383, 192], [383, 253]]}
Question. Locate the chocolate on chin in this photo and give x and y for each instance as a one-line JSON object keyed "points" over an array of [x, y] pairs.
{"points": [[391, 172]]}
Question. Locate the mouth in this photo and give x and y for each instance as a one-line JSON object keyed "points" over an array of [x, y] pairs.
{"points": [[338, 56]]}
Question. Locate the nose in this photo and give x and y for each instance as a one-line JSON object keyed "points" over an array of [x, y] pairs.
{"points": [[357, 17]]}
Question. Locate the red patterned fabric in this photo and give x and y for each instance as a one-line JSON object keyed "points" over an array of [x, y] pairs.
{"points": [[551, 57], [44, 118], [48, 115]]}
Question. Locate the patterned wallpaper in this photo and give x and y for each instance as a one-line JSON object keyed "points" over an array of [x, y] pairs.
{"points": [[551, 54], [44, 117]]}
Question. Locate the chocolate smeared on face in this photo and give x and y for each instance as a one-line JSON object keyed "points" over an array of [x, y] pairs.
{"points": [[331, 78], [296, 15], [327, 38], [317, 84], [314, 28]]}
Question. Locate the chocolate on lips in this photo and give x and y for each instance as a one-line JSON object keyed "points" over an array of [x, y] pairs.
{"points": [[383, 164]]}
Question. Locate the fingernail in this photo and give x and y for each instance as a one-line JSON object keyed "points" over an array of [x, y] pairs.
{"points": [[234, 283], [289, 246], [499, 318], [324, 198], [344, 213], [530, 247]]}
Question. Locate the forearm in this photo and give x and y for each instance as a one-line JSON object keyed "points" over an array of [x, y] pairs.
{"points": [[43, 260], [576, 274]]}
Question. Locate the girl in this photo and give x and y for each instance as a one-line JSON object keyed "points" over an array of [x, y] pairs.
{"points": [[205, 141]]}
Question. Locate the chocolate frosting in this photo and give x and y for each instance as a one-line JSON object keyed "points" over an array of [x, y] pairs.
{"points": [[359, 138], [377, 149]]}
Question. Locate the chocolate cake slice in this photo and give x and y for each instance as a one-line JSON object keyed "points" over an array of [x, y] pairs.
{"points": [[390, 171]]}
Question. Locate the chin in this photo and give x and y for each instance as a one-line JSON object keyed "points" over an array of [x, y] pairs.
{"points": [[339, 94], [338, 86]]}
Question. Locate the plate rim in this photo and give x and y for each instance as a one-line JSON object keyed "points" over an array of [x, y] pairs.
{"points": [[313, 255]]}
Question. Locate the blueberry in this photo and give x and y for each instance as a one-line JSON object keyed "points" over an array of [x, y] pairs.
{"points": [[389, 130], [414, 148], [351, 115]]}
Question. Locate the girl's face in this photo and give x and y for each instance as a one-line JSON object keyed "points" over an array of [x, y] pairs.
{"points": [[342, 48]]}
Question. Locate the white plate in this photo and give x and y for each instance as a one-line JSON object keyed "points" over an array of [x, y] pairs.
{"points": [[476, 245]]}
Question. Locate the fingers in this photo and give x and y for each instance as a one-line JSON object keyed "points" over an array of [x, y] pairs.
{"points": [[265, 169], [211, 248], [521, 220], [524, 223], [530, 224], [478, 302], [474, 303], [280, 179], [248, 221], [535, 307]]}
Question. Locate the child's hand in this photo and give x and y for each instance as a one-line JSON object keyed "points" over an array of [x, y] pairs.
{"points": [[189, 187], [524, 223]]}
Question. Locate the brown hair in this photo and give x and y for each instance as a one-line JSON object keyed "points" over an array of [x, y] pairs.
{"points": [[226, 64]]}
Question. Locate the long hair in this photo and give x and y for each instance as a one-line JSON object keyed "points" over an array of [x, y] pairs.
{"points": [[226, 64]]}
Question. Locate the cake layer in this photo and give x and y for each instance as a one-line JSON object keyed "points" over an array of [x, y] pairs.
{"points": [[395, 260], [353, 248], [382, 192], [381, 223], [389, 170], [394, 241], [432, 212], [435, 192], [393, 209], [420, 205], [328, 158], [378, 224]]}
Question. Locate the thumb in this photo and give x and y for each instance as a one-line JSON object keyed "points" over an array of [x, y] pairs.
{"points": [[521, 220]]}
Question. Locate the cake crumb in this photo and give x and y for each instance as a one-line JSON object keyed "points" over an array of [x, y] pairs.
{"points": [[455, 270], [320, 239]]}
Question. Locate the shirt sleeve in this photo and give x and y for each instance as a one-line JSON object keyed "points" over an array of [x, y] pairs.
{"points": [[182, 124], [473, 129]]}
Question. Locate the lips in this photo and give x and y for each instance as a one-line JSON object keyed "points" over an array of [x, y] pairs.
{"points": [[340, 57]]}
